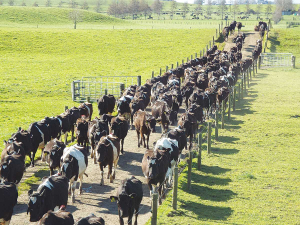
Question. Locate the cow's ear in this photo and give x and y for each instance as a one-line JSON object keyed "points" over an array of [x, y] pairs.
{"points": [[133, 195], [19, 129], [5, 142], [113, 198], [30, 192], [148, 157]]}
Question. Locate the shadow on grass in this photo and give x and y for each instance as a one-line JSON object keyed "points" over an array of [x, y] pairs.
{"points": [[208, 180], [215, 170], [222, 151], [205, 212], [274, 42], [228, 139]]}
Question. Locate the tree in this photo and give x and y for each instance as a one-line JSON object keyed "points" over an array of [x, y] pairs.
{"points": [[1, 2], [236, 9], [258, 10], [198, 9], [157, 7], [222, 7], [85, 5], [35, 4], [208, 8], [23, 4], [76, 17], [133, 7], [98, 6], [247, 8], [60, 4], [73, 4], [123, 8], [144, 8], [48, 3], [185, 9], [11, 2], [268, 10], [173, 8]]}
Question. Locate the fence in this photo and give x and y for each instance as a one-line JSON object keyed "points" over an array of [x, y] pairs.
{"points": [[94, 87], [268, 60]]}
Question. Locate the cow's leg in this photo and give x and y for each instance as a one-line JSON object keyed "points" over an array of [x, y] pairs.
{"points": [[191, 140], [32, 158], [136, 214], [66, 136], [70, 185], [95, 160], [131, 121], [148, 135], [72, 130], [122, 143], [143, 136], [159, 193], [115, 167], [6, 222], [80, 186], [130, 218], [73, 191], [51, 171], [138, 136], [120, 218], [109, 175], [101, 172]]}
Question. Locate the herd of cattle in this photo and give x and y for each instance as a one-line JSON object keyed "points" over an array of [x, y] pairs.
{"points": [[201, 84], [230, 29], [261, 28]]}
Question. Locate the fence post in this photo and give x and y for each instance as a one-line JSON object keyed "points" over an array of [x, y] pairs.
{"points": [[208, 137], [139, 80], [200, 53], [239, 92], [219, 28], [152, 74], [88, 99], [216, 33], [199, 149], [223, 114], [187, 59], [294, 61], [253, 68], [242, 89], [122, 88], [177, 65], [213, 40], [166, 68], [195, 55], [154, 209], [190, 170], [175, 187], [248, 77], [73, 91], [256, 66], [66, 107], [172, 66], [259, 62], [159, 71], [105, 91], [229, 103], [183, 61], [245, 83], [216, 125], [234, 96]]}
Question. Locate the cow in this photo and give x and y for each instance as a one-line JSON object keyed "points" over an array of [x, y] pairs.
{"points": [[179, 135], [86, 109], [144, 124], [54, 149], [73, 114], [119, 127], [155, 166], [60, 217], [106, 104], [82, 126], [12, 148], [188, 122], [73, 165], [65, 123], [123, 106], [161, 112], [107, 118], [172, 146], [8, 200], [107, 153], [50, 195], [225, 33], [23, 136], [90, 220], [135, 105], [12, 168], [129, 197], [53, 125], [239, 26]]}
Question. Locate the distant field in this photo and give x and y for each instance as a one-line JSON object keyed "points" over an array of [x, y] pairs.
{"points": [[38, 65], [251, 177]]}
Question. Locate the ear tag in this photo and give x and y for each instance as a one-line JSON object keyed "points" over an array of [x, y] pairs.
{"points": [[132, 197], [113, 200]]}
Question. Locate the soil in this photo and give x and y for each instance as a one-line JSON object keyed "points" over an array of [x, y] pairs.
{"points": [[95, 198]]}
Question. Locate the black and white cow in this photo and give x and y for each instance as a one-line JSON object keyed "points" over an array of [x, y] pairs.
{"points": [[172, 146], [90, 220], [73, 165], [12, 168], [129, 197], [50, 195], [8, 200], [123, 106]]}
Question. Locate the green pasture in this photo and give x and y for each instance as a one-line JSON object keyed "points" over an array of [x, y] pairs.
{"points": [[251, 176]]}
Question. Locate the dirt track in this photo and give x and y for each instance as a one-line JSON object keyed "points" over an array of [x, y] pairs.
{"points": [[95, 198]]}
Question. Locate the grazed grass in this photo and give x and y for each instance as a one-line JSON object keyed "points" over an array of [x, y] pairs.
{"points": [[251, 177]]}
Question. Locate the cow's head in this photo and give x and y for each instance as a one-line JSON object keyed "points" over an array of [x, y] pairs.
{"points": [[98, 135], [5, 169], [101, 151], [101, 106], [67, 166], [13, 147], [55, 155], [173, 117], [153, 170], [150, 123], [125, 203], [134, 107], [36, 205]]}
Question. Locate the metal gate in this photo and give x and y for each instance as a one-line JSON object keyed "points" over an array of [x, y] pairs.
{"points": [[95, 87], [268, 60]]}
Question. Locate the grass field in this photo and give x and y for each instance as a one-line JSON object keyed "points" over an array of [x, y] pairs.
{"points": [[251, 177]]}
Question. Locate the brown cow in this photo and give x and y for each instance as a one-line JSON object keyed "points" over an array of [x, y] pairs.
{"points": [[60, 217], [82, 132], [144, 124], [107, 153]]}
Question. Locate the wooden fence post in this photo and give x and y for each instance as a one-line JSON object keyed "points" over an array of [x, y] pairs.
{"points": [[253, 68], [175, 187], [122, 88], [159, 71], [105, 91], [245, 83], [248, 77], [223, 114], [216, 125], [166, 68], [199, 149], [200, 53], [152, 74], [294, 61], [172, 66], [73, 91], [242, 88], [66, 107], [139, 80], [177, 64], [190, 170], [213, 40], [216, 33], [256, 65], [229, 103], [154, 209], [259, 62], [239, 92], [234, 96], [209, 138]]}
